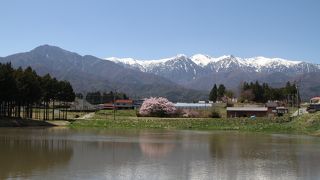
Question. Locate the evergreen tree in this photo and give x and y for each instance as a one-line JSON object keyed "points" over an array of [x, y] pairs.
{"points": [[263, 93], [213, 93], [100, 98], [229, 94], [221, 91], [79, 95], [23, 91]]}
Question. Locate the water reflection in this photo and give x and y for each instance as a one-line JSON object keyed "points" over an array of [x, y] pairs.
{"points": [[22, 157], [155, 146], [259, 156], [122, 154]]}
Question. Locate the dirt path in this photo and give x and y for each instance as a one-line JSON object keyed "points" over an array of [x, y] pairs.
{"points": [[87, 116], [301, 111]]}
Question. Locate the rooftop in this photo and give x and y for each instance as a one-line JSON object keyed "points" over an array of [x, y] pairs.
{"points": [[124, 101], [247, 109], [272, 104], [314, 98], [192, 105]]}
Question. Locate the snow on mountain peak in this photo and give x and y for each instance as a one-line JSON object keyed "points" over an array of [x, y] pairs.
{"points": [[263, 61], [180, 56], [145, 63], [204, 60], [201, 60], [141, 62], [129, 61]]}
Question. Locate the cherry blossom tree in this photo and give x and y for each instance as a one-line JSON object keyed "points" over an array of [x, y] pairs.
{"points": [[157, 107]]}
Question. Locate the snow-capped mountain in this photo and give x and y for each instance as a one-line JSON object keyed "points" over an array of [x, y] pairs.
{"points": [[179, 68], [183, 69], [195, 75], [90, 74]]}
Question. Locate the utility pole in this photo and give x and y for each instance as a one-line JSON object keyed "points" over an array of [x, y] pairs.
{"points": [[114, 104], [298, 99], [83, 99]]}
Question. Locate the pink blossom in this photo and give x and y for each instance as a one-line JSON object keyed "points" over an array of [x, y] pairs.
{"points": [[157, 106]]}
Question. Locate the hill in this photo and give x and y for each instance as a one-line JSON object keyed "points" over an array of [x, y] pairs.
{"points": [[89, 73]]}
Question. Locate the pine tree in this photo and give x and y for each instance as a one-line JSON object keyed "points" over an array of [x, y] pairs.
{"points": [[221, 91], [213, 93], [23, 90]]}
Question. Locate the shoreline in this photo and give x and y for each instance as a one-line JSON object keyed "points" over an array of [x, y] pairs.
{"points": [[299, 125], [31, 123], [306, 124]]}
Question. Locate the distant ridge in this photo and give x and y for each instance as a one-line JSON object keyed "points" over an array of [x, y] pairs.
{"points": [[179, 78], [89, 73], [257, 64], [202, 71]]}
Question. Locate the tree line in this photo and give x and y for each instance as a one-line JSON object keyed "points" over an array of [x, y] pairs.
{"points": [[218, 92], [25, 94], [263, 92], [101, 98]]}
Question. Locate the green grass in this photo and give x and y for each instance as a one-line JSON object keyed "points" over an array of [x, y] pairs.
{"points": [[177, 123], [103, 114], [308, 124]]}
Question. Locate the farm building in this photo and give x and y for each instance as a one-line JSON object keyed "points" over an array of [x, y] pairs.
{"points": [[272, 104], [274, 108], [314, 105], [270, 109], [281, 110], [119, 104], [124, 104], [201, 105], [315, 100], [247, 111]]}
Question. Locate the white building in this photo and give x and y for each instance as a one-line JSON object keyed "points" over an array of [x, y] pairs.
{"points": [[193, 105]]}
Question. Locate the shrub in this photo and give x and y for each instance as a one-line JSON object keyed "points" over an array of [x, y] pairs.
{"points": [[229, 104], [188, 113], [157, 107], [215, 114]]}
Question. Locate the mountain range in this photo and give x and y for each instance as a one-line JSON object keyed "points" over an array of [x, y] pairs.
{"points": [[179, 78], [89, 73], [200, 71]]}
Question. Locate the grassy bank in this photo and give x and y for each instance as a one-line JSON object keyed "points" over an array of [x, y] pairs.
{"points": [[309, 123], [305, 124]]}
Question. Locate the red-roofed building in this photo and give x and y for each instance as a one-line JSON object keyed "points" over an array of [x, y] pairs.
{"points": [[107, 106], [120, 104], [124, 104]]}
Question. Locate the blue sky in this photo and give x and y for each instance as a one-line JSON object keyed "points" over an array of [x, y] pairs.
{"points": [[150, 29]]}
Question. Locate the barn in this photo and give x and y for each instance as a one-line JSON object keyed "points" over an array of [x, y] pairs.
{"points": [[247, 111]]}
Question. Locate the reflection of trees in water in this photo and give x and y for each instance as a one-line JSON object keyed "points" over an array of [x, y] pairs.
{"points": [[20, 157], [147, 145], [235, 153], [156, 146], [117, 153], [127, 146], [250, 146]]}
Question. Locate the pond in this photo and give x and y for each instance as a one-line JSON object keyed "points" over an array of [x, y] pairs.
{"points": [[62, 153]]}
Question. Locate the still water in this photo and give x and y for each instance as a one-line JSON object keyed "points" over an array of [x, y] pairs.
{"points": [[61, 153]]}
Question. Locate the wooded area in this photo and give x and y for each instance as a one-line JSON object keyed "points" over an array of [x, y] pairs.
{"points": [[101, 98], [24, 94], [262, 93]]}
